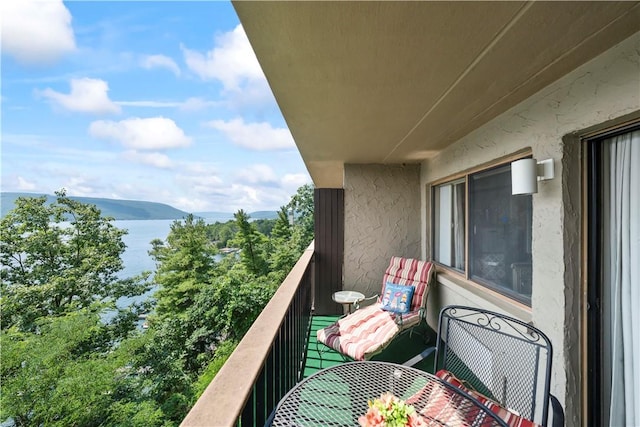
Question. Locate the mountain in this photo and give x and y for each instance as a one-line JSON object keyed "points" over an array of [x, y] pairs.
{"points": [[118, 209]]}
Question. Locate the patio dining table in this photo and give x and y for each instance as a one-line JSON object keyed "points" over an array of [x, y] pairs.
{"points": [[339, 395]]}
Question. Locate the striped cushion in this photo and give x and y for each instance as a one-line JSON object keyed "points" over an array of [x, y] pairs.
{"points": [[407, 271], [511, 418], [366, 332], [443, 407]]}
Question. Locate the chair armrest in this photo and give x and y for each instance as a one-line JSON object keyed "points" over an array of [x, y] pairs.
{"points": [[557, 411], [425, 353], [356, 305]]}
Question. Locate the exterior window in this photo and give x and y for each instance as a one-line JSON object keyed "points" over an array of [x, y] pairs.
{"points": [[449, 245], [498, 236]]}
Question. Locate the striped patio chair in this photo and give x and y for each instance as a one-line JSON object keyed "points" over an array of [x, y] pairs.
{"points": [[369, 330]]}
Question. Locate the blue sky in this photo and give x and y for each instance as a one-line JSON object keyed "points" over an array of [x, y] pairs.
{"points": [[159, 101]]}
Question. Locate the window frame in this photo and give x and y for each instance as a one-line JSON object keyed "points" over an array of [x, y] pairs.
{"points": [[465, 275]]}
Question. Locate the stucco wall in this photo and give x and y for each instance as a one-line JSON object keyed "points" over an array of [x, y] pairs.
{"points": [[382, 219], [606, 88]]}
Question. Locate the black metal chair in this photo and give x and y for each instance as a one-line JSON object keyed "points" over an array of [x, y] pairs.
{"points": [[505, 359]]}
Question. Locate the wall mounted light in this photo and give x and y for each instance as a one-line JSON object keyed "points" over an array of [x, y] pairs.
{"points": [[525, 174]]}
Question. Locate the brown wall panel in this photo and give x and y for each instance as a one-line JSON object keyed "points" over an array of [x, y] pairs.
{"points": [[329, 248]]}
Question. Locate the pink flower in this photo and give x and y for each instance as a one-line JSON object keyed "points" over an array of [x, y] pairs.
{"points": [[389, 410], [416, 420], [373, 418]]}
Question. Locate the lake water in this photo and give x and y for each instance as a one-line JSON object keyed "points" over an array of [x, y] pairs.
{"points": [[141, 232], [136, 257]]}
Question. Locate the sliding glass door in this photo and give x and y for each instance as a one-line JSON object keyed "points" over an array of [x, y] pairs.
{"points": [[613, 328]]}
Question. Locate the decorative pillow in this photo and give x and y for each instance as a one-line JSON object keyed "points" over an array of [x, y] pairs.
{"points": [[397, 298]]}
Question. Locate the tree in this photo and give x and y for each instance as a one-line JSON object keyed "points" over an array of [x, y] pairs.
{"points": [[64, 359], [282, 227], [59, 258], [264, 226], [252, 245], [186, 262], [45, 374], [303, 210], [221, 233], [61, 376], [291, 236]]}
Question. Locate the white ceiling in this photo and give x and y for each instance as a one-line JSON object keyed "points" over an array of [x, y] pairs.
{"points": [[394, 82]]}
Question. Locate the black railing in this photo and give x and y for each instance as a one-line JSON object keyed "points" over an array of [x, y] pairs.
{"points": [[284, 363], [268, 361]]}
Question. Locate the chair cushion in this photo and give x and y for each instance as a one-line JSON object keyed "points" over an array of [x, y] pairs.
{"points": [[510, 417], [444, 407], [397, 298], [366, 332], [408, 271]]}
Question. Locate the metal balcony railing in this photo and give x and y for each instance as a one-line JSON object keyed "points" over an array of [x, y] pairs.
{"points": [[268, 361]]}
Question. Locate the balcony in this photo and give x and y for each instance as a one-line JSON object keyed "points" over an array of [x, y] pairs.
{"points": [[278, 351]]}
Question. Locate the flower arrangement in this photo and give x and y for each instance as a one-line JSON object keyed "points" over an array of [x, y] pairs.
{"points": [[389, 411]]}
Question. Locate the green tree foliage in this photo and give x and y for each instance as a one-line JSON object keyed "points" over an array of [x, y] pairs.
{"points": [[185, 263], [282, 227], [51, 378], [58, 258], [303, 209], [179, 341], [72, 366], [222, 353], [222, 232], [292, 232], [264, 226], [252, 245], [161, 363]]}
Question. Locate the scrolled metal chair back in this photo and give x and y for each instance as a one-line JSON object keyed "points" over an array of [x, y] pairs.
{"points": [[501, 357]]}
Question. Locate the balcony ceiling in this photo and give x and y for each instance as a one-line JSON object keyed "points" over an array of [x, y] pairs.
{"points": [[396, 82]]}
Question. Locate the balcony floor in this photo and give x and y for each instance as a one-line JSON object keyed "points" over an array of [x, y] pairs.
{"points": [[403, 348]]}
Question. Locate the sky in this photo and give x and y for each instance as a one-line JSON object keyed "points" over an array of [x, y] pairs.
{"points": [[155, 100]]}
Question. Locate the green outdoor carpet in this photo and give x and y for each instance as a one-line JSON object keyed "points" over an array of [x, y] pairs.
{"points": [[403, 348]]}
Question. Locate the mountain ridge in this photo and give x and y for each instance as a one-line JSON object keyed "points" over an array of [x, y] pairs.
{"points": [[124, 209], [115, 208]]}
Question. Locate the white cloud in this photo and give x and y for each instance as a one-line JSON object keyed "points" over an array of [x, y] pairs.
{"points": [[150, 104], [155, 133], [36, 32], [254, 136], [203, 182], [86, 96], [80, 186], [195, 104], [24, 185], [293, 181], [232, 61], [160, 61], [189, 204], [190, 104], [157, 160], [255, 198], [257, 174]]}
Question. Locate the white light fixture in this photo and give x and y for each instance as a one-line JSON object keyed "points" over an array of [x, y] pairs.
{"points": [[525, 174]]}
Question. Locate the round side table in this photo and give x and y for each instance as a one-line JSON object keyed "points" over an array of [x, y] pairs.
{"points": [[347, 299]]}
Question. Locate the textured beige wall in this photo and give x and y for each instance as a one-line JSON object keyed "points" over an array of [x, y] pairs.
{"points": [[382, 219], [602, 90]]}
